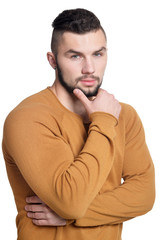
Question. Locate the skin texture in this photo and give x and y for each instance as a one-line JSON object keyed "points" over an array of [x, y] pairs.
{"points": [[41, 214], [80, 65], [81, 57]]}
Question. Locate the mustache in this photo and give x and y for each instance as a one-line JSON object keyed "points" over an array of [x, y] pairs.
{"points": [[87, 76]]}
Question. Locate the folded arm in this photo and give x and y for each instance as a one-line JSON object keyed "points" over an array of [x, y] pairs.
{"points": [[137, 193], [67, 184], [132, 198]]}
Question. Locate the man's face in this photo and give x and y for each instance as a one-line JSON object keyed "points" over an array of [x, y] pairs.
{"points": [[81, 61]]}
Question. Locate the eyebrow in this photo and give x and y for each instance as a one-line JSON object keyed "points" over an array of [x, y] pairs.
{"points": [[102, 49], [71, 51]]}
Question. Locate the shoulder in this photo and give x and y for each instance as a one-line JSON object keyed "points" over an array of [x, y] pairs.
{"points": [[131, 121], [128, 113], [34, 110]]}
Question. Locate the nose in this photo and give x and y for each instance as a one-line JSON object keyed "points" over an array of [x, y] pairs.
{"points": [[88, 66]]}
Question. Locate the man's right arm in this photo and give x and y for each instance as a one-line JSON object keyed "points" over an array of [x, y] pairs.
{"points": [[131, 199], [67, 184]]}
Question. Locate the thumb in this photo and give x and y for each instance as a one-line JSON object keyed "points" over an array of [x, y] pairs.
{"points": [[80, 95]]}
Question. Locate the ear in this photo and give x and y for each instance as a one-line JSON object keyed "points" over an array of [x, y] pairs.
{"points": [[51, 59]]}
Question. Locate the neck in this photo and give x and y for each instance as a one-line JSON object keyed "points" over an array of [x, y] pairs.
{"points": [[69, 101]]}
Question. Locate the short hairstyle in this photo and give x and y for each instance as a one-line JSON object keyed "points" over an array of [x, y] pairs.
{"points": [[77, 20]]}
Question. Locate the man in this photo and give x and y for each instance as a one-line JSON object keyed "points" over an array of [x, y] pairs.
{"points": [[68, 147]]}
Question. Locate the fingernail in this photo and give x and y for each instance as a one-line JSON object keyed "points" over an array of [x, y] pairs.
{"points": [[27, 199], [76, 90]]}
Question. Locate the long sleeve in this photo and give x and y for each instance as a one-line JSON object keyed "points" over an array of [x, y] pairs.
{"points": [[67, 184], [137, 193]]}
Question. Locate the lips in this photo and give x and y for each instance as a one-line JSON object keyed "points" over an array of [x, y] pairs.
{"points": [[88, 82]]}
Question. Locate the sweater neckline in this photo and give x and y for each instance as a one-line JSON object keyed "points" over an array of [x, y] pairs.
{"points": [[63, 107]]}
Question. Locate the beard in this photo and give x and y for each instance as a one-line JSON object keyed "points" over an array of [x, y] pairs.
{"points": [[88, 93]]}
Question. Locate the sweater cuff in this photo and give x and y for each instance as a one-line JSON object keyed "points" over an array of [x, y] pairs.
{"points": [[69, 221], [104, 116], [104, 123]]}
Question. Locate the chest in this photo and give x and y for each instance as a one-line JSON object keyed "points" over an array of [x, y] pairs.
{"points": [[76, 133]]}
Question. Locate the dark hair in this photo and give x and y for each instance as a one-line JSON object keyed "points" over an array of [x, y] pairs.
{"points": [[75, 20]]}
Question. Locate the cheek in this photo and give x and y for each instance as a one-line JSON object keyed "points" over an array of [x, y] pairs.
{"points": [[100, 68], [103, 66], [100, 64], [72, 71], [70, 66]]}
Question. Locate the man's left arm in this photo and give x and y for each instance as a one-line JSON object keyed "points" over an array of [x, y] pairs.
{"points": [[136, 195]]}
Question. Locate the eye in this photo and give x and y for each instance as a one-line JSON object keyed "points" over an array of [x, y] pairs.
{"points": [[75, 56], [98, 54]]}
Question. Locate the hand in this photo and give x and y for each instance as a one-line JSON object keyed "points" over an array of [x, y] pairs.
{"points": [[104, 102], [41, 214]]}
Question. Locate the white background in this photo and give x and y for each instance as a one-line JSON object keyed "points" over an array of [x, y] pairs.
{"points": [[132, 74]]}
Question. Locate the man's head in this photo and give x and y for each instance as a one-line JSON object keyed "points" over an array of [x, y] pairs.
{"points": [[78, 21], [78, 51]]}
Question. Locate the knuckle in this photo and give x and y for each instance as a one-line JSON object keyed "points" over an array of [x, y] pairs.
{"points": [[102, 91], [35, 215], [31, 208], [46, 215], [40, 222]]}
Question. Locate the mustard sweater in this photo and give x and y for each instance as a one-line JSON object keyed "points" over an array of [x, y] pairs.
{"points": [[77, 170]]}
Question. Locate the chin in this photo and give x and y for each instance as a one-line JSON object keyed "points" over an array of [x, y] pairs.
{"points": [[90, 93]]}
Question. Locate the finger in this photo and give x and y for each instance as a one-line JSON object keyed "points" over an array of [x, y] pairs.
{"points": [[36, 208], [80, 95], [40, 222], [33, 199], [36, 215], [43, 222], [101, 91]]}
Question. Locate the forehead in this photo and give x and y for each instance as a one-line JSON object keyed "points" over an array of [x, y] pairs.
{"points": [[88, 42]]}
